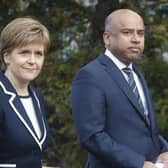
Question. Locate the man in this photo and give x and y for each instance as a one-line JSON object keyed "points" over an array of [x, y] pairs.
{"points": [[111, 104]]}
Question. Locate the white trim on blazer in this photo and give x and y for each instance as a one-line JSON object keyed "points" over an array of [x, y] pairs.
{"points": [[13, 95], [7, 165], [45, 131]]}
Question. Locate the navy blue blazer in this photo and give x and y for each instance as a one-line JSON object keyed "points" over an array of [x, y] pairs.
{"points": [[20, 147], [109, 122]]}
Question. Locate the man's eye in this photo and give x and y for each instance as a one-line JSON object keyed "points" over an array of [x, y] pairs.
{"points": [[141, 33], [127, 32]]}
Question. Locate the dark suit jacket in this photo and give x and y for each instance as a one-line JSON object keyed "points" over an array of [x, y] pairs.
{"points": [[108, 120], [19, 144]]}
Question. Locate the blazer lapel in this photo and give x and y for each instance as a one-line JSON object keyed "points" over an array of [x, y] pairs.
{"points": [[20, 112], [118, 77], [39, 114]]}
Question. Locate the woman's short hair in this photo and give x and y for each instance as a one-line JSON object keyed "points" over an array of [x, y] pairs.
{"points": [[20, 32]]}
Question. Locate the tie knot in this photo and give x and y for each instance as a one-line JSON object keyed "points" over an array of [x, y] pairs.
{"points": [[127, 70]]}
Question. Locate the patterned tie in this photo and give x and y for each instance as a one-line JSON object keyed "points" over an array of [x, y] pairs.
{"points": [[134, 88]]}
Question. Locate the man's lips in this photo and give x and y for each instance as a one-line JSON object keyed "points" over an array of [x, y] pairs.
{"points": [[135, 49]]}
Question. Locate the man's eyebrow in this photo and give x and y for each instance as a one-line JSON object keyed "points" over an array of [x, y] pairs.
{"points": [[132, 29]]}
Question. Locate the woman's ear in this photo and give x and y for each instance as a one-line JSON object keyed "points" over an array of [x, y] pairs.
{"points": [[6, 58]]}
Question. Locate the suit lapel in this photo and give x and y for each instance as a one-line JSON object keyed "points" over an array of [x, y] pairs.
{"points": [[147, 96], [118, 77]]}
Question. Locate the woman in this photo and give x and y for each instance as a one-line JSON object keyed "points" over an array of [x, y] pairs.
{"points": [[23, 126]]}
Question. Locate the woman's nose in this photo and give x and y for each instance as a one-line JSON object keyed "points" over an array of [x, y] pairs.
{"points": [[31, 58]]}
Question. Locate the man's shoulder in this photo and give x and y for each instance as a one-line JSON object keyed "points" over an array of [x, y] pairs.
{"points": [[92, 69], [92, 64]]}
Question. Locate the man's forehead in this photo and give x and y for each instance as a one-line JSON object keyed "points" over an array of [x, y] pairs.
{"points": [[125, 13], [126, 18], [129, 23]]}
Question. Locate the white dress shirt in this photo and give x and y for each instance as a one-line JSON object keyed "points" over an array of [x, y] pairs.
{"points": [[120, 66]]}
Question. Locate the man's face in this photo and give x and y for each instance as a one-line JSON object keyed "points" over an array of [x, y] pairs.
{"points": [[126, 39]]}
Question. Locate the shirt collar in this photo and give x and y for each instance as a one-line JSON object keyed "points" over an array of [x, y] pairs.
{"points": [[116, 61]]}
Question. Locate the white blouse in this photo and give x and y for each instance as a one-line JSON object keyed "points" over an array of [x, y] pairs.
{"points": [[29, 108]]}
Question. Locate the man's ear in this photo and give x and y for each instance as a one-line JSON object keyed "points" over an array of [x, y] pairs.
{"points": [[106, 38]]}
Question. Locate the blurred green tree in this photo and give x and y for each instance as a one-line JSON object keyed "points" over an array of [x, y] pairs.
{"points": [[76, 37]]}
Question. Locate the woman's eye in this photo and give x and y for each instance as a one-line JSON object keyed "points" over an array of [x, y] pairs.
{"points": [[24, 52], [39, 53]]}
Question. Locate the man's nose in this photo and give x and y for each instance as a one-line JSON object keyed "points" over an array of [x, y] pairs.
{"points": [[135, 37]]}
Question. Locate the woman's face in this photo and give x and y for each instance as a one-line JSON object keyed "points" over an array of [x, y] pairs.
{"points": [[24, 63]]}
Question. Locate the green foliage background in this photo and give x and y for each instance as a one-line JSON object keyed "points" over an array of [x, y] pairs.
{"points": [[69, 21]]}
